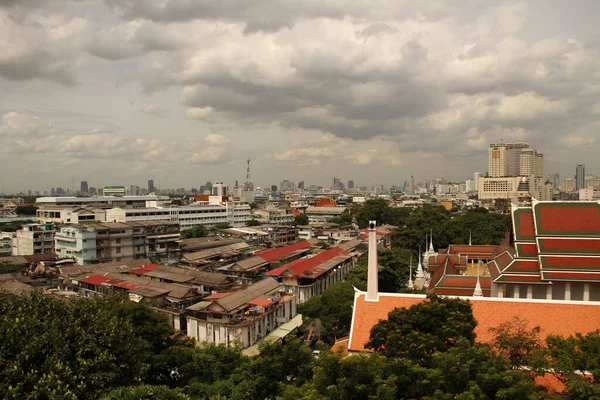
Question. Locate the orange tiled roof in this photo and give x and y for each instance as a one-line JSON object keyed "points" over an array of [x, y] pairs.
{"points": [[554, 317]]}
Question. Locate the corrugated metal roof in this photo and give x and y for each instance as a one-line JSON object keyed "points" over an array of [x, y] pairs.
{"points": [[242, 297], [279, 252]]}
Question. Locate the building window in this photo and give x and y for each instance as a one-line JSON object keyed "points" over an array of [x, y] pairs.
{"points": [[118, 241], [118, 250]]}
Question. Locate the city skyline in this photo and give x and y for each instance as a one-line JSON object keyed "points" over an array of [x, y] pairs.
{"points": [[372, 92]]}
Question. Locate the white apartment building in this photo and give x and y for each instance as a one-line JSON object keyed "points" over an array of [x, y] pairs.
{"points": [[69, 214], [112, 201], [33, 239], [244, 316], [6, 243], [207, 214], [76, 241]]}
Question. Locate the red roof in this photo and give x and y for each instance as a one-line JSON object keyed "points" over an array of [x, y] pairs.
{"points": [[523, 222], [325, 202], [259, 301], [144, 269], [554, 317], [279, 252], [569, 245], [216, 296], [310, 264], [567, 218], [472, 250], [124, 285], [95, 280]]}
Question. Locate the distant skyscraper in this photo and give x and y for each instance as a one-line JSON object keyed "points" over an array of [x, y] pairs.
{"points": [[301, 185], [134, 190], [554, 179], [273, 188], [350, 184], [514, 157], [219, 189], [580, 176], [150, 186], [84, 187]]}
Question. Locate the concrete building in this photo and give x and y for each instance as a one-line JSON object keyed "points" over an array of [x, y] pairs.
{"points": [[503, 188], [6, 239], [151, 186], [323, 214], [308, 277], [244, 316], [208, 214], [498, 160], [70, 214], [580, 176], [112, 201], [33, 239], [219, 189], [514, 151], [76, 241], [114, 191]]}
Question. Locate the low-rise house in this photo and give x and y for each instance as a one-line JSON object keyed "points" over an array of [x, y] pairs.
{"points": [[205, 282], [280, 235], [77, 241], [247, 270], [323, 214], [311, 276], [244, 316], [223, 253], [279, 256], [33, 239]]}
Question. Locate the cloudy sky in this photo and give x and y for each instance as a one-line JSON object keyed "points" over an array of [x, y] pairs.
{"points": [[183, 91]]}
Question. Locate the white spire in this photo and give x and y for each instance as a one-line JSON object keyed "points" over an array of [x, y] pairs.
{"points": [[372, 273], [478, 292], [420, 274], [411, 285], [470, 238], [431, 241]]}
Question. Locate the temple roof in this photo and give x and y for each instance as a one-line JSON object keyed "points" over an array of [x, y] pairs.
{"points": [[567, 218], [554, 317]]}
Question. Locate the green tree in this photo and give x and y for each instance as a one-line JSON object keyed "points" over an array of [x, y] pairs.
{"points": [[253, 222], [393, 270], [197, 231], [333, 308], [567, 357], [145, 392], [55, 348], [344, 219], [300, 219], [416, 333], [373, 210], [517, 343], [26, 210]]}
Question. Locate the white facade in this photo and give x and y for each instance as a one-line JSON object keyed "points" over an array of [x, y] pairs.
{"points": [[124, 201], [69, 215], [501, 188], [77, 242], [204, 213], [33, 239]]}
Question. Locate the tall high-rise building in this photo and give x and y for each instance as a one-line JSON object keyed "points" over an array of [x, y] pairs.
{"points": [[150, 186], [134, 190], [273, 188], [531, 163], [554, 179], [84, 187], [301, 185], [580, 176], [513, 155], [497, 160], [350, 184], [219, 189]]}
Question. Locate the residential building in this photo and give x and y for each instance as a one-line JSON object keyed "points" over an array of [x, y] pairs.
{"points": [[204, 282], [498, 160], [114, 191], [569, 185], [580, 176], [274, 216], [98, 201], [6, 243], [513, 154], [323, 214], [209, 213], [76, 241], [280, 235], [219, 189], [33, 239], [59, 214], [476, 177], [241, 317], [311, 276]]}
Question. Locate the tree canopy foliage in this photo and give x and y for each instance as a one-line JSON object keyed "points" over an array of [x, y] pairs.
{"points": [[197, 231], [53, 348], [300, 219]]}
